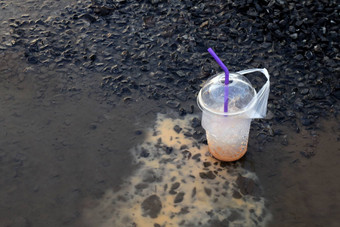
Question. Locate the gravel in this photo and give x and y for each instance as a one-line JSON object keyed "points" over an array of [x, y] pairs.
{"points": [[152, 206], [159, 48]]}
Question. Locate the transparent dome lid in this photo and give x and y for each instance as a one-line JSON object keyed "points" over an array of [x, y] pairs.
{"points": [[241, 95]]}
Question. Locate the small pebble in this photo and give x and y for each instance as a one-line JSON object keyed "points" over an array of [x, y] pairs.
{"points": [[207, 191], [152, 206], [206, 164], [177, 129], [175, 186], [179, 197]]}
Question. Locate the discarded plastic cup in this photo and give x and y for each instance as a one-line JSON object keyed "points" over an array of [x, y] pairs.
{"points": [[227, 132]]}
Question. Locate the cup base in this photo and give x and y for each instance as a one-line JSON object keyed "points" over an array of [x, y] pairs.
{"points": [[227, 155]]}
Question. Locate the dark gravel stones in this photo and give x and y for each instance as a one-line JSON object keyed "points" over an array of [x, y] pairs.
{"points": [[206, 164], [138, 132], [309, 55], [207, 175], [177, 129], [188, 134], [172, 192], [195, 122], [144, 153], [284, 140], [337, 94], [305, 121], [197, 157], [304, 91], [32, 59], [246, 185], [182, 111], [186, 154], [173, 104], [141, 186], [179, 197], [237, 195], [307, 154], [211, 175], [193, 193], [168, 150], [207, 191], [168, 61], [234, 216], [218, 223], [174, 186], [183, 211], [150, 176], [88, 17], [152, 206]]}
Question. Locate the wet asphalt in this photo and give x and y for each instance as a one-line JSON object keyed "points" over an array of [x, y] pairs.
{"points": [[82, 81]]}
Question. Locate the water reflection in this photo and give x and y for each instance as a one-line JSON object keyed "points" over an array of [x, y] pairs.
{"points": [[179, 184]]}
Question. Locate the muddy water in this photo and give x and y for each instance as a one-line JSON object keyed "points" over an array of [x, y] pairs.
{"points": [[59, 145], [68, 158], [183, 186], [300, 180]]}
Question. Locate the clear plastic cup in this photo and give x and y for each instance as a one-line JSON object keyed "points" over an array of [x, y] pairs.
{"points": [[227, 132]]}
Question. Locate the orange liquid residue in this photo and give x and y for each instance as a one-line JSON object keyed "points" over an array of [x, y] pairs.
{"points": [[204, 199], [227, 154]]}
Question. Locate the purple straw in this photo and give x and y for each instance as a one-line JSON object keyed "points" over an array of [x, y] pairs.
{"points": [[226, 79]]}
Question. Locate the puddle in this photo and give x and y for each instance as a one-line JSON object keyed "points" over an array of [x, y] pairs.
{"points": [[304, 170], [179, 184], [59, 145]]}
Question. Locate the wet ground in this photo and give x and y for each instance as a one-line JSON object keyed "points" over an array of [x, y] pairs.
{"points": [[100, 127]]}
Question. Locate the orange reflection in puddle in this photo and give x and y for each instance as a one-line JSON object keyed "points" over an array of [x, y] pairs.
{"points": [[178, 183]]}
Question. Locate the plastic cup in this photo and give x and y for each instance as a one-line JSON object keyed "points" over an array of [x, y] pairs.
{"points": [[227, 132]]}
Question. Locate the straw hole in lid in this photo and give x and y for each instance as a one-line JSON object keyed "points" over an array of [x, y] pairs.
{"points": [[223, 79]]}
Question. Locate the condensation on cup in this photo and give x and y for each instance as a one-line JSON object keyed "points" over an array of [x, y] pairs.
{"points": [[227, 132]]}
